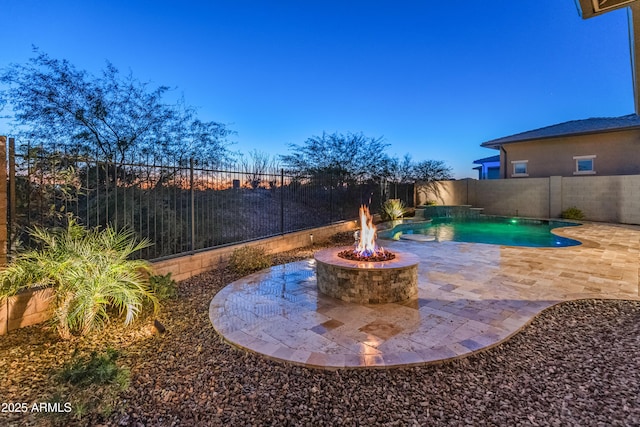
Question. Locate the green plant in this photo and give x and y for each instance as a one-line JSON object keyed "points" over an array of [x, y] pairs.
{"points": [[572, 213], [97, 369], [393, 209], [91, 274], [431, 203], [248, 259], [93, 383], [163, 287]]}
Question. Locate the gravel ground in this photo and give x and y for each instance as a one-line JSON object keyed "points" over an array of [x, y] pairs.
{"points": [[576, 364]]}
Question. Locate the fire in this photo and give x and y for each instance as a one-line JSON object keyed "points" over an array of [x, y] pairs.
{"points": [[366, 248], [366, 245]]}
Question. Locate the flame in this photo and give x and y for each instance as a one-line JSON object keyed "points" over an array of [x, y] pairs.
{"points": [[366, 245]]}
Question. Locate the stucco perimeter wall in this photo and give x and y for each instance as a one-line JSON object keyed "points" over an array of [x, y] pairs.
{"points": [[613, 199]]}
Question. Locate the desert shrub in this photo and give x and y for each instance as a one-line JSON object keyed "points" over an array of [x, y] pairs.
{"points": [[248, 259], [392, 209], [90, 272], [572, 213], [163, 286]]}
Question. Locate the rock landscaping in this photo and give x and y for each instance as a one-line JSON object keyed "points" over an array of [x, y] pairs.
{"points": [[575, 364]]}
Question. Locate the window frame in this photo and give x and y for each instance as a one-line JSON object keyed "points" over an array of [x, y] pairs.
{"points": [[577, 160], [514, 164]]}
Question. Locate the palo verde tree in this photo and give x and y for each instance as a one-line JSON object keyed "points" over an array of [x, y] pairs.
{"points": [[110, 117]]}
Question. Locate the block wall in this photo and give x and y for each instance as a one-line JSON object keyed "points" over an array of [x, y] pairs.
{"points": [[604, 198], [613, 199], [445, 193], [511, 198], [186, 266], [24, 309]]}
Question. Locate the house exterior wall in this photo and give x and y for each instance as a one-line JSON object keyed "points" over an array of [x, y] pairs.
{"points": [[493, 172], [617, 153], [614, 199], [490, 171]]}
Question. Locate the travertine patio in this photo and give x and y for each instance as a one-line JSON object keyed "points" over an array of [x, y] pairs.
{"points": [[471, 297]]}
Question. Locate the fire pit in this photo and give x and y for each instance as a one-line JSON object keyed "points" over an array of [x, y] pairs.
{"points": [[367, 274]]}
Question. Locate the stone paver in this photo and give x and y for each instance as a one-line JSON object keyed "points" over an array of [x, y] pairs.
{"points": [[471, 296]]}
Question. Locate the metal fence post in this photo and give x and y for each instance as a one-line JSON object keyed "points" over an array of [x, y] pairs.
{"points": [[193, 207], [282, 201], [3, 201], [11, 197], [330, 198]]}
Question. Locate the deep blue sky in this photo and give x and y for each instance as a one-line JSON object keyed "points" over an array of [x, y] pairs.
{"points": [[435, 79]]}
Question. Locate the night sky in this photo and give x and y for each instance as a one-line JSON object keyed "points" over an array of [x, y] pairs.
{"points": [[435, 79]]}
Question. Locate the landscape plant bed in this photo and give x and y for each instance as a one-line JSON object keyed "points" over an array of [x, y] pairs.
{"points": [[575, 364]]}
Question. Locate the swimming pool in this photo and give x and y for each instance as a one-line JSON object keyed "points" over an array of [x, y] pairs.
{"points": [[484, 229]]}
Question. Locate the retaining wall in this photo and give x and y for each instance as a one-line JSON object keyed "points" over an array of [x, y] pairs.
{"points": [[24, 309], [32, 307], [186, 266]]}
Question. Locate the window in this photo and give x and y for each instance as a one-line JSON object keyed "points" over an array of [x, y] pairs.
{"points": [[520, 168], [584, 165]]}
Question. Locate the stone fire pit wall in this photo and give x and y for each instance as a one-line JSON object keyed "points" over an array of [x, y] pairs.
{"points": [[367, 282]]}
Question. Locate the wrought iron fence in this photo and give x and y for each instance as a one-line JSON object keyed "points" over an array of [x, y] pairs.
{"points": [[181, 208]]}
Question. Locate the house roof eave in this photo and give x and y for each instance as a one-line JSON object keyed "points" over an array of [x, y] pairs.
{"points": [[497, 143]]}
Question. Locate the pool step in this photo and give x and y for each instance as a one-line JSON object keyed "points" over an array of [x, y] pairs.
{"points": [[418, 237]]}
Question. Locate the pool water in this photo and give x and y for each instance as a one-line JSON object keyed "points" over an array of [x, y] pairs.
{"points": [[486, 229]]}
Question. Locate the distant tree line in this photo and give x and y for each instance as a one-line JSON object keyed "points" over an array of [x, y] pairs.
{"points": [[355, 157]]}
